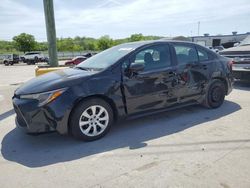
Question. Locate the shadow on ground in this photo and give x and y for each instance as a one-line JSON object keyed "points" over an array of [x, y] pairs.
{"points": [[6, 114], [47, 149]]}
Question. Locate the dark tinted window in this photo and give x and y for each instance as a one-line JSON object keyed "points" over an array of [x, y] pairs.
{"points": [[185, 54], [154, 57], [205, 55]]}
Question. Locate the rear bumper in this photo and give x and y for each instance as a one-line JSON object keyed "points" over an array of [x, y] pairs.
{"points": [[242, 75], [241, 71]]}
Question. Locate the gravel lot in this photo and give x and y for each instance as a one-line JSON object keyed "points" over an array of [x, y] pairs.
{"points": [[190, 147]]}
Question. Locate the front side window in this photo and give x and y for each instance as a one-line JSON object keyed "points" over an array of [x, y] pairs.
{"points": [[185, 54], [154, 57]]}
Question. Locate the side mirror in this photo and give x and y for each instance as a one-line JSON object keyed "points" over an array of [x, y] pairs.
{"points": [[136, 67]]}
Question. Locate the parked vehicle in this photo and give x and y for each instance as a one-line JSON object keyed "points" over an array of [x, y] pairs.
{"points": [[240, 55], [125, 81], [219, 48], [76, 60], [33, 57], [212, 49], [79, 59], [89, 54], [11, 59]]}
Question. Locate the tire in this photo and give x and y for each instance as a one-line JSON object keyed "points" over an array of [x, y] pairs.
{"points": [[215, 94], [36, 59], [92, 127], [6, 63]]}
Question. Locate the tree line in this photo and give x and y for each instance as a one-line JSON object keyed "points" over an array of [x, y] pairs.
{"points": [[25, 42]]}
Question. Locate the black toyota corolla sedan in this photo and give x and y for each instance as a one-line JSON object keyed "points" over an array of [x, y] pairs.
{"points": [[125, 81]]}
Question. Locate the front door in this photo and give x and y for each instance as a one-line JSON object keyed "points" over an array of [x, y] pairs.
{"points": [[150, 88]]}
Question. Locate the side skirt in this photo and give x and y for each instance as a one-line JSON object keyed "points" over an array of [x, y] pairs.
{"points": [[152, 112]]}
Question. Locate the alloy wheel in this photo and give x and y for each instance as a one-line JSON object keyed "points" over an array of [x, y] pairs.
{"points": [[94, 120]]}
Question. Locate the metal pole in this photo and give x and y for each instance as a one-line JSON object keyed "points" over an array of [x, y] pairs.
{"points": [[51, 32], [199, 28]]}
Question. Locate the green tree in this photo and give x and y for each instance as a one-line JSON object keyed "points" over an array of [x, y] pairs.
{"points": [[136, 37], [182, 38], [105, 42], [24, 42]]}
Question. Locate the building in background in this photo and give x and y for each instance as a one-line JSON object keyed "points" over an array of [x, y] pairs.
{"points": [[226, 41]]}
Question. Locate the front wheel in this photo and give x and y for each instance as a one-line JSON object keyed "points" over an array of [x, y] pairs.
{"points": [[36, 59], [91, 119], [215, 95]]}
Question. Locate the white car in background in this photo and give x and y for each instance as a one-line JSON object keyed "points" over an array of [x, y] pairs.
{"points": [[33, 57], [240, 56]]}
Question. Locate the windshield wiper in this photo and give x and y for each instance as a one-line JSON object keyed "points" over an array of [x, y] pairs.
{"points": [[89, 69], [82, 68]]}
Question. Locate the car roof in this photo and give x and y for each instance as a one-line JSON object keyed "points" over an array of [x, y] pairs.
{"points": [[80, 56], [142, 43]]}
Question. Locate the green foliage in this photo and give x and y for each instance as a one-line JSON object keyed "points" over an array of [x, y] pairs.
{"points": [[181, 38], [24, 42], [136, 37], [6, 46], [41, 46], [104, 42]]}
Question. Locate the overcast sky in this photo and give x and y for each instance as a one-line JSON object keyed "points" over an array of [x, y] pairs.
{"points": [[121, 18]]}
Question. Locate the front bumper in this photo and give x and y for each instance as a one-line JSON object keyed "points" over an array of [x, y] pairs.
{"points": [[51, 117], [31, 121]]}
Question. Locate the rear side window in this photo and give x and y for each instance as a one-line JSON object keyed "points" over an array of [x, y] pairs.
{"points": [[203, 55], [185, 54]]}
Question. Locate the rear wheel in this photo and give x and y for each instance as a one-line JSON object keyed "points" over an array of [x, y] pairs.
{"points": [[215, 95], [6, 63], [91, 119]]}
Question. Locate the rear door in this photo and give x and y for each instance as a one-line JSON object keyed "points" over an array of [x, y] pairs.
{"points": [[191, 72]]}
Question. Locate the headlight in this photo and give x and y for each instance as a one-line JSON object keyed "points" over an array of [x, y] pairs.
{"points": [[44, 98]]}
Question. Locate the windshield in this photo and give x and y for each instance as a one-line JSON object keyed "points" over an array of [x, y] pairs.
{"points": [[108, 57]]}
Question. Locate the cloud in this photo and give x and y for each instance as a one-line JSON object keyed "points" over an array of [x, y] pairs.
{"points": [[120, 18]]}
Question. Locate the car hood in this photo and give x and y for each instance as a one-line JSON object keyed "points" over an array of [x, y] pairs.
{"points": [[54, 80]]}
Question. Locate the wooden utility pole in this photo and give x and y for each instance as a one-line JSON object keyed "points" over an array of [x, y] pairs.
{"points": [[51, 32]]}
